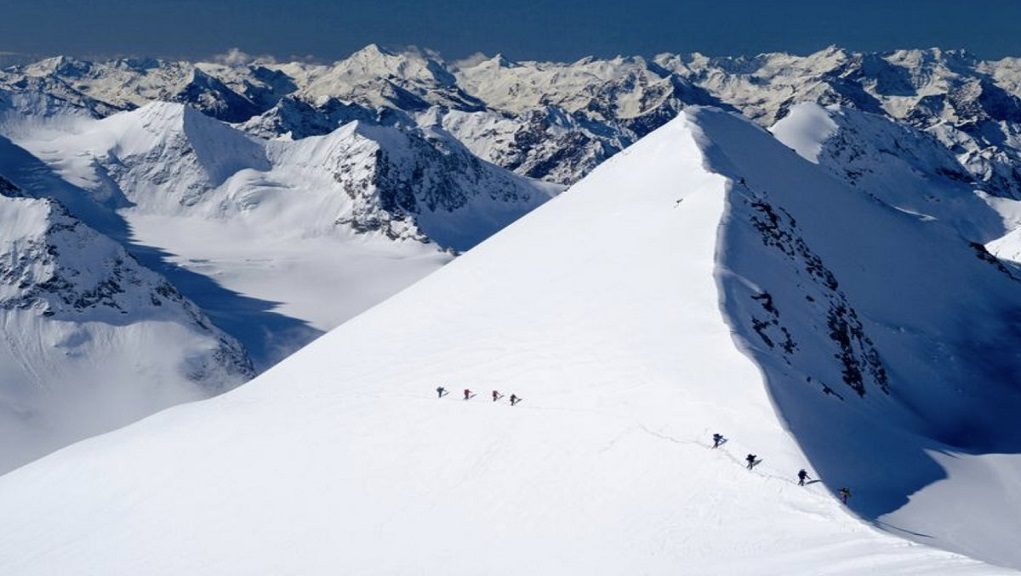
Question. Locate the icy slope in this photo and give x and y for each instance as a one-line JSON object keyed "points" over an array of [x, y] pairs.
{"points": [[601, 309], [91, 340]]}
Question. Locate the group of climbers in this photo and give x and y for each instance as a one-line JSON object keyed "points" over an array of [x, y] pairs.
{"points": [[718, 439], [468, 395], [753, 460]]}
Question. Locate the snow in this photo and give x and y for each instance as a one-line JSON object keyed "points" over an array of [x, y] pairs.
{"points": [[280, 241], [805, 130], [900, 165], [91, 340], [274, 243], [615, 312], [896, 304]]}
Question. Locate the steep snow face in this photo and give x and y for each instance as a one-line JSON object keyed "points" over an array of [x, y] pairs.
{"points": [[92, 340], [885, 337], [626, 363]]}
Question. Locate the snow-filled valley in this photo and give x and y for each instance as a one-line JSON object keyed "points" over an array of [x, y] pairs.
{"points": [[837, 293]]}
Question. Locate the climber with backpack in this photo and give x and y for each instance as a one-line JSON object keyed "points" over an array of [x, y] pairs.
{"points": [[802, 476]]}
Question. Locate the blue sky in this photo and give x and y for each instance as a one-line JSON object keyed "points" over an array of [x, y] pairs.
{"points": [[566, 30]]}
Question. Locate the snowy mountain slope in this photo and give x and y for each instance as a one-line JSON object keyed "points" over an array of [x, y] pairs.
{"points": [[368, 208], [882, 344], [342, 459], [168, 159], [902, 166], [162, 157], [92, 340], [275, 242]]}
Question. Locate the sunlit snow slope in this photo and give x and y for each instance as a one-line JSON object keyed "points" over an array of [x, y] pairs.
{"points": [[602, 309]]}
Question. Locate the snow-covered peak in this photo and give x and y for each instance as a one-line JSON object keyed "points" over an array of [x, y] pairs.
{"points": [[142, 130], [705, 279], [420, 184], [482, 61], [163, 156], [59, 65], [374, 77]]}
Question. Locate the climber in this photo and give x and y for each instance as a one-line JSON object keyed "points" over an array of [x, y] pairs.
{"points": [[802, 476], [441, 392], [467, 394], [496, 395], [750, 459], [514, 399], [844, 494], [717, 440]]}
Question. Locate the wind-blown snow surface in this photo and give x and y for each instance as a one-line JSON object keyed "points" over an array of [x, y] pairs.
{"points": [[342, 460]]}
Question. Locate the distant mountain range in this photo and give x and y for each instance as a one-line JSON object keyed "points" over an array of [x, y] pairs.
{"points": [[556, 121]]}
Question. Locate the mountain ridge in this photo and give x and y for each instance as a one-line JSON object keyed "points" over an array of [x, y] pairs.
{"points": [[622, 390]]}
